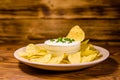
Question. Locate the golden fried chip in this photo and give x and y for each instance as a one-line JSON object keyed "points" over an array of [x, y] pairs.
{"points": [[43, 59], [75, 58], [31, 48], [56, 59], [76, 33], [84, 47], [25, 55], [88, 52], [87, 49], [88, 58], [35, 50]]}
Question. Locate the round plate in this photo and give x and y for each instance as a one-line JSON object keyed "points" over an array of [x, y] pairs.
{"points": [[62, 67]]}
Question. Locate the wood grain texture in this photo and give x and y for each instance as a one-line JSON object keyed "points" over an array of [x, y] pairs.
{"points": [[38, 30], [59, 9], [33, 21], [12, 69]]}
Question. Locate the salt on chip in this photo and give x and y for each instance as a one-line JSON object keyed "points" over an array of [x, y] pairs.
{"points": [[75, 58]]}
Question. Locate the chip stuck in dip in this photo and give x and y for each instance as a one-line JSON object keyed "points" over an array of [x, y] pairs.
{"points": [[69, 44]]}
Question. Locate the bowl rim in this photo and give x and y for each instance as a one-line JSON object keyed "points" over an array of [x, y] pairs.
{"points": [[103, 51]]}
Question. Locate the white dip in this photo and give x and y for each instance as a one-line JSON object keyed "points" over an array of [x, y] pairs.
{"points": [[62, 45], [48, 42]]}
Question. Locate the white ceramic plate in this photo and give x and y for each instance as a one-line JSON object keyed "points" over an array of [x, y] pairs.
{"points": [[62, 67]]}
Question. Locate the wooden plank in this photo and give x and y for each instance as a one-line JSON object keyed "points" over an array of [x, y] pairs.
{"points": [[53, 9], [12, 69], [21, 8], [38, 30]]}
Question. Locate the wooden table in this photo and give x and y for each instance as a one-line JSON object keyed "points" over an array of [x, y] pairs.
{"points": [[12, 69], [33, 21]]}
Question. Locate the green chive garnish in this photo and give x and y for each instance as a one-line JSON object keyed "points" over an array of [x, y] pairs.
{"points": [[63, 40]]}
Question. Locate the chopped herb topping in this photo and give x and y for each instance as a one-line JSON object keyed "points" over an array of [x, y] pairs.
{"points": [[63, 40]]}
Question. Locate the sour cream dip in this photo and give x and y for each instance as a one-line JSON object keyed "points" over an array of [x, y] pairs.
{"points": [[62, 45]]}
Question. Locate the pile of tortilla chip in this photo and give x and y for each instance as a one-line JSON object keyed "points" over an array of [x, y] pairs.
{"points": [[87, 53]]}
